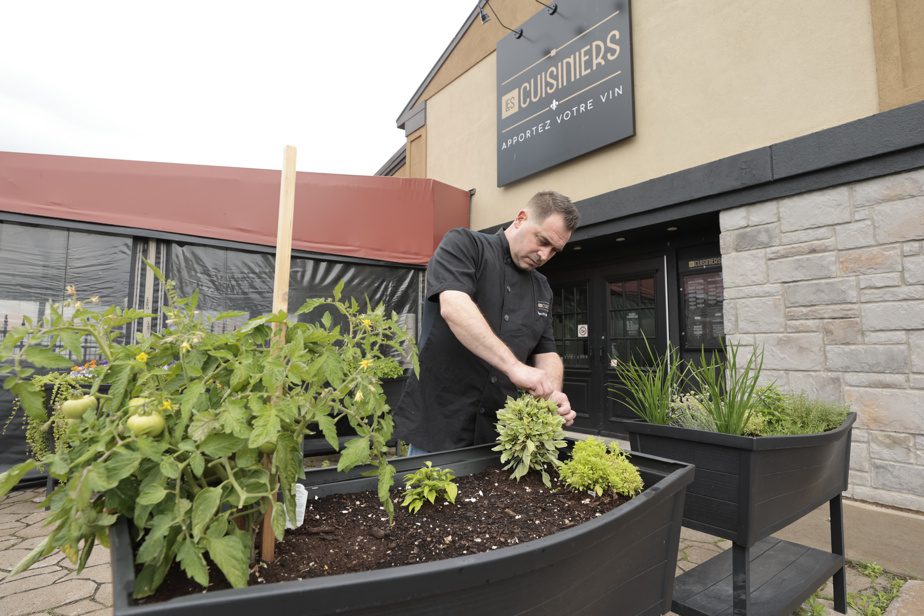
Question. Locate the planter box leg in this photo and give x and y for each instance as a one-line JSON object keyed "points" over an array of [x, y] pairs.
{"points": [[741, 579], [836, 510]]}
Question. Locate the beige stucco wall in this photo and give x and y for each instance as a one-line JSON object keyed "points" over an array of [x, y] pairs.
{"points": [[711, 80]]}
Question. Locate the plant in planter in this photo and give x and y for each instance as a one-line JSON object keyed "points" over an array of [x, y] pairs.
{"points": [[746, 487], [198, 432], [426, 485], [187, 481], [530, 434], [594, 468]]}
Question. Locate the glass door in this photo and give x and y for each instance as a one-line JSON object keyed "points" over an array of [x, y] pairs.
{"points": [[571, 322], [634, 309]]}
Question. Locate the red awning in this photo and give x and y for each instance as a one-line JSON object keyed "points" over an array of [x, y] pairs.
{"points": [[384, 218]]}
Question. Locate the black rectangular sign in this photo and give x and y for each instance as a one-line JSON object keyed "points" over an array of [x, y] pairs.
{"points": [[565, 87]]}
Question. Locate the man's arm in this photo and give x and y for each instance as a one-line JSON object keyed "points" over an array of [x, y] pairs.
{"points": [[551, 364], [471, 329]]}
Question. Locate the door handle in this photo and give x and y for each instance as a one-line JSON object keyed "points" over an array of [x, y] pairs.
{"points": [[602, 349]]}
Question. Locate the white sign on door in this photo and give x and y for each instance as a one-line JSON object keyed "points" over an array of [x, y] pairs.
{"points": [[582, 330]]}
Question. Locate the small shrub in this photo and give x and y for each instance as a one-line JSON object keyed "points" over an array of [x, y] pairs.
{"points": [[594, 468], [427, 484], [688, 411], [530, 433], [798, 414]]}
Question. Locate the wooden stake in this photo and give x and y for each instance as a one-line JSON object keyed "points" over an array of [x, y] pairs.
{"points": [[280, 302]]}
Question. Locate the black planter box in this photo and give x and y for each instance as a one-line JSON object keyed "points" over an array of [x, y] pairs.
{"points": [[622, 562], [745, 489]]}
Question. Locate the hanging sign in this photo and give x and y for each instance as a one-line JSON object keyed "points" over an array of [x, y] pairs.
{"points": [[564, 88]]}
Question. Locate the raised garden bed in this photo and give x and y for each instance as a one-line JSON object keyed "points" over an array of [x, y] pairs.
{"points": [[620, 562], [745, 489]]}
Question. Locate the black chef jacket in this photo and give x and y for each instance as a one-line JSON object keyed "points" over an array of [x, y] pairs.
{"points": [[454, 402]]}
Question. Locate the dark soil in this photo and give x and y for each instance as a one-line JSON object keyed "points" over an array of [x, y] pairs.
{"points": [[350, 532]]}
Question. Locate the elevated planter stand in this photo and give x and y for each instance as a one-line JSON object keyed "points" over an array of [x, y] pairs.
{"points": [[745, 489], [622, 562]]}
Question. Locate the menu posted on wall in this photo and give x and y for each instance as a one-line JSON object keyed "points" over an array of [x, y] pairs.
{"points": [[564, 88], [702, 310]]}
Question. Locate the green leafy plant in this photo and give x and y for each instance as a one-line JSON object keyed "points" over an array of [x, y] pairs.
{"points": [[530, 433], [426, 484], [594, 467], [58, 387], [199, 431], [648, 389], [812, 606], [871, 570], [784, 414], [727, 391], [387, 368], [876, 600], [688, 411]]}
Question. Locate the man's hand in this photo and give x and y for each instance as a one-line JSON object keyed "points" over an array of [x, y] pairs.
{"points": [[535, 381], [564, 406]]}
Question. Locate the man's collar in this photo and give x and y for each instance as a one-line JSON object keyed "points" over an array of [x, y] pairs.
{"points": [[505, 246]]}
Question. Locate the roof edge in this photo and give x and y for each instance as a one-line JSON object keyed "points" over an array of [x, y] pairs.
{"points": [[406, 113], [394, 163]]}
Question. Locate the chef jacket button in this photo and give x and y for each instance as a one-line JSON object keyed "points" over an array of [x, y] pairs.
{"points": [[506, 317], [493, 379]]}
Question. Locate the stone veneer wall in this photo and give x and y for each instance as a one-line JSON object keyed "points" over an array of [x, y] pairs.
{"points": [[831, 285]]}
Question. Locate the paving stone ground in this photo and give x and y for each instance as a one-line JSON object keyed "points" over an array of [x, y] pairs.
{"points": [[53, 588]]}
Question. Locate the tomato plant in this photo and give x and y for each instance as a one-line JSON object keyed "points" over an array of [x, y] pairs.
{"points": [[198, 431]]}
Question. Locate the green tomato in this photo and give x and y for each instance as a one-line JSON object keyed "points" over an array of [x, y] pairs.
{"points": [[146, 425], [75, 409], [268, 447], [137, 404]]}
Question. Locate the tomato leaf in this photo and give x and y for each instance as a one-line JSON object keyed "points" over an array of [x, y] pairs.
{"points": [[10, 478], [193, 563], [46, 358], [32, 400], [329, 429], [203, 510], [230, 555], [265, 427], [220, 445], [355, 452]]}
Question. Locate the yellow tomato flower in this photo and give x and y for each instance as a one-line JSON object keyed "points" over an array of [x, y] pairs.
{"points": [[367, 323], [94, 299], [142, 356], [166, 405], [359, 396], [185, 346], [365, 363], [71, 290]]}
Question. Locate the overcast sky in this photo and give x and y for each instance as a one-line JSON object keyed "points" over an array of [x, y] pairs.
{"points": [[218, 83]]}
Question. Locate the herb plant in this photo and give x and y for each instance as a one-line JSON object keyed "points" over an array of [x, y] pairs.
{"points": [[728, 392], [200, 431], [426, 484], [530, 433], [648, 389], [595, 468], [784, 414]]}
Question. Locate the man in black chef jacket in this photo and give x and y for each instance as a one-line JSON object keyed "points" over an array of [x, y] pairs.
{"points": [[487, 329]]}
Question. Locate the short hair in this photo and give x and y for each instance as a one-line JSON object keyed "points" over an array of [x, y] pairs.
{"points": [[544, 204]]}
